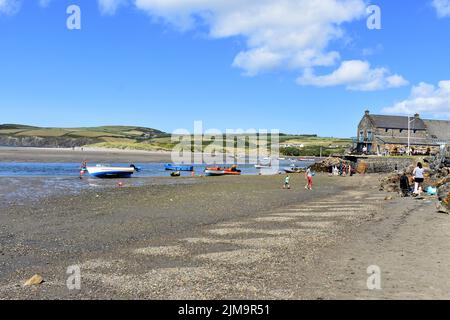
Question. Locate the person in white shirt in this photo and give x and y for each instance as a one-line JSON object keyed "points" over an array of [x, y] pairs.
{"points": [[418, 179]]}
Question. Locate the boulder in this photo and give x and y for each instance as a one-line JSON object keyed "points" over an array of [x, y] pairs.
{"points": [[34, 280], [325, 164], [390, 183], [362, 167]]}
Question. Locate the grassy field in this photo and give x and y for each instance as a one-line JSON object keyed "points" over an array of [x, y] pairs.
{"points": [[315, 141], [313, 145], [140, 138], [289, 146]]}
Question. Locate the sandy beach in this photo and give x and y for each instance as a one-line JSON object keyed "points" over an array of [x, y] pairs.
{"points": [[227, 238]]}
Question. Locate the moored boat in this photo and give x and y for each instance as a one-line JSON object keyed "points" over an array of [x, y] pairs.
{"points": [[307, 160], [214, 173], [174, 167], [106, 171], [229, 172], [232, 171], [294, 170]]}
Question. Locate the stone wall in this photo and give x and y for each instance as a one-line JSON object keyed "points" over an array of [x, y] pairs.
{"points": [[386, 164]]}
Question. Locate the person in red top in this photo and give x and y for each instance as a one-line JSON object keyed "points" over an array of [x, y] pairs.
{"points": [[309, 179]]}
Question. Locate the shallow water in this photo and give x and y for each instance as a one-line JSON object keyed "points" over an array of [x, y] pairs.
{"points": [[34, 169], [22, 183], [21, 190]]}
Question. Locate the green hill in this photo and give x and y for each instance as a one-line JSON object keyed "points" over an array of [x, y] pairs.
{"points": [[32, 136], [141, 138]]}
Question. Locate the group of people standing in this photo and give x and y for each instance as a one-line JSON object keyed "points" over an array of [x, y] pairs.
{"points": [[343, 170]]}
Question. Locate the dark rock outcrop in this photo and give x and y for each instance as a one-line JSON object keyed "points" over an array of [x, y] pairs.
{"points": [[47, 142]]}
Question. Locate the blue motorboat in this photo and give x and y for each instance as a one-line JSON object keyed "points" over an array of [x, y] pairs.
{"points": [[174, 167]]}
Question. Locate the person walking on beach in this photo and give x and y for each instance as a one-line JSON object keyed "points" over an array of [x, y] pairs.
{"points": [[309, 179], [287, 184], [418, 179]]}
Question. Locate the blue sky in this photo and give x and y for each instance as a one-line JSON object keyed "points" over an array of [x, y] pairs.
{"points": [[261, 64]]}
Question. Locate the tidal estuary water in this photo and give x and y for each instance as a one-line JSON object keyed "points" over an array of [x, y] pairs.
{"points": [[21, 183]]}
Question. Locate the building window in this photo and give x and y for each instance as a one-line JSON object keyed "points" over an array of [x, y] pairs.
{"points": [[369, 135], [361, 136]]}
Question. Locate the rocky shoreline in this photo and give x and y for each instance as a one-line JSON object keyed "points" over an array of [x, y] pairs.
{"points": [[437, 175]]}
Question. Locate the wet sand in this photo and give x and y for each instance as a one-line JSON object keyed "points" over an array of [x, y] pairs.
{"points": [[228, 237], [10, 154]]}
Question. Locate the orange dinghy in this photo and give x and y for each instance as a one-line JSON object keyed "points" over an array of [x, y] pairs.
{"points": [[233, 171]]}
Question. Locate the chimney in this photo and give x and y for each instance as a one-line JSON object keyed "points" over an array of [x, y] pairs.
{"points": [[367, 112]]}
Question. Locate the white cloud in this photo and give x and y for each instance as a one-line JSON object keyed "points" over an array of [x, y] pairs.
{"points": [[279, 34], [425, 99], [9, 7], [257, 60], [355, 75], [442, 7], [288, 34], [109, 7]]}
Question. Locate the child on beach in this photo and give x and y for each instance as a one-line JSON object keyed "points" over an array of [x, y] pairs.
{"points": [[83, 168], [309, 179], [287, 184]]}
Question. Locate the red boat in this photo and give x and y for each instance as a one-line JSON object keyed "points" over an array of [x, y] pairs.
{"points": [[233, 171]]}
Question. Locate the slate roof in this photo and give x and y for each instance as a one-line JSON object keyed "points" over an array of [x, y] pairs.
{"points": [[396, 122], [438, 129]]}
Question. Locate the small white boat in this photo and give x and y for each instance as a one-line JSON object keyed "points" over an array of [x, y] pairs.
{"points": [[214, 173], [263, 165], [105, 171], [294, 170]]}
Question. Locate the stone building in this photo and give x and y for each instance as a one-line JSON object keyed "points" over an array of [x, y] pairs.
{"points": [[382, 134]]}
